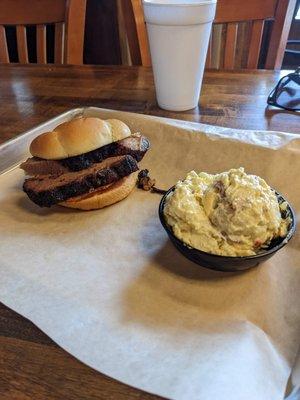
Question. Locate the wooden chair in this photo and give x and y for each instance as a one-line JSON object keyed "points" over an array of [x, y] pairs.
{"points": [[68, 17], [230, 13], [136, 32]]}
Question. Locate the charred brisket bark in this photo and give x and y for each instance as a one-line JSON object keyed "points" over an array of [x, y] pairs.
{"points": [[47, 191], [134, 146]]}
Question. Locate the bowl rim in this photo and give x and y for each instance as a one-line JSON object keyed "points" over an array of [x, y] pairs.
{"points": [[272, 250]]}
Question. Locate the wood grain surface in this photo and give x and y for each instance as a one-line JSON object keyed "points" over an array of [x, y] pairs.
{"points": [[32, 366]]}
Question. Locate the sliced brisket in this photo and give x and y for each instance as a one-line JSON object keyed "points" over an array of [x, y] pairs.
{"points": [[135, 146], [49, 190], [37, 166]]}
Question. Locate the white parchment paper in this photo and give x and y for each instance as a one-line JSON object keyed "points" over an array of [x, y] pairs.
{"points": [[109, 287]]}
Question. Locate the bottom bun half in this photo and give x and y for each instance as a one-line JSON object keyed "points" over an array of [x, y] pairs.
{"points": [[104, 197]]}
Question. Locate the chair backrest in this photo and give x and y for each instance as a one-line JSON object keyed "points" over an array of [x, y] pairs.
{"points": [[136, 32], [67, 16], [229, 13]]}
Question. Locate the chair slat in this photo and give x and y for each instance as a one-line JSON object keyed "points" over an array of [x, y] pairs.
{"points": [[237, 11], [130, 24], [22, 44], [31, 12], [4, 57], [59, 43], [255, 43], [209, 53], [73, 51], [230, 45], [141, 32], [41, 48], [280, 32]]}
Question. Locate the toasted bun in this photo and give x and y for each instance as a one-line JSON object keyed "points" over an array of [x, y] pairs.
{"points": [[104, 197], [78, 136]]}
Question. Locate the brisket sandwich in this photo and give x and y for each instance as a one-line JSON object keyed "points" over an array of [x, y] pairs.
{"points": [[86, 163]]}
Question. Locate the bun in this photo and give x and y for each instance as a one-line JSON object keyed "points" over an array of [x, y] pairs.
{"points": [[78, 136], [104, 197]]}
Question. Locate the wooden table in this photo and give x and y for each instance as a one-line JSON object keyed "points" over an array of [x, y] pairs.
{"points": [[32, 366]]}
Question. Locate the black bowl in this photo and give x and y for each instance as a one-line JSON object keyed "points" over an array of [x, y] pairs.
{"points": [[228, 263]]}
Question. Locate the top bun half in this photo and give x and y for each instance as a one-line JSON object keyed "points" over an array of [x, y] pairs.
{"points": [[78, 136]]}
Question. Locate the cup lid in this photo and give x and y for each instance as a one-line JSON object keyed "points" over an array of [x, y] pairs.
{"points": [[183, 3], [179, 12]]}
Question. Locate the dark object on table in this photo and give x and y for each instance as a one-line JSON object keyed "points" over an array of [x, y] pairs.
{"points": [[286, 94], [146, 183], [226, 263]]}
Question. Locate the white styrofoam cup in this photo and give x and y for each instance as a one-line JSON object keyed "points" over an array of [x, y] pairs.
{"points": [[178, 32]]}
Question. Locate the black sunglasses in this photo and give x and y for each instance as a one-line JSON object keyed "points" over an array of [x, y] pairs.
{"points": [[286, 93]]}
